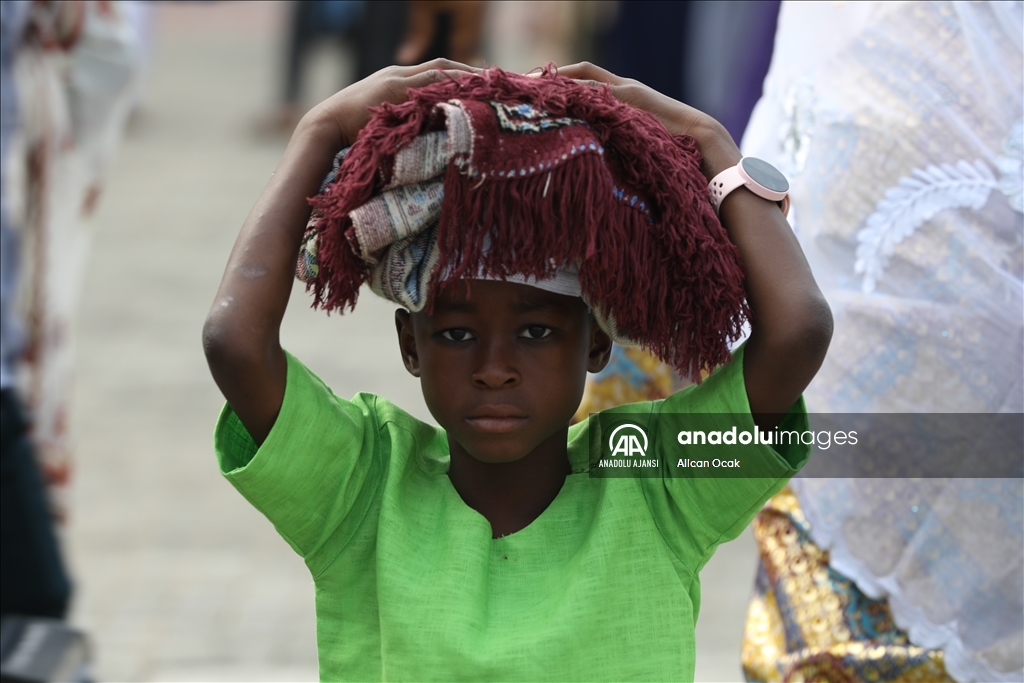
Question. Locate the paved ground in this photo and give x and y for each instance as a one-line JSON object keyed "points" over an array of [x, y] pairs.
{"points": [[178, 577]]}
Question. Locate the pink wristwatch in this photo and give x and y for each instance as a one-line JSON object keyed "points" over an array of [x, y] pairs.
{"points": [[758, 176]]}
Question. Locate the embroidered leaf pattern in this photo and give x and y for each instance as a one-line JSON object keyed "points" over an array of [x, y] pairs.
{"points": [[914, 200]]}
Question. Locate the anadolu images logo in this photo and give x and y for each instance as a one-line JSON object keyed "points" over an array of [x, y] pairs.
{"points": [[629, 453], [626, 441]]}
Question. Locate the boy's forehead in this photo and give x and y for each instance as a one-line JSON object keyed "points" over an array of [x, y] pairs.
{"points": [[472, 295]]}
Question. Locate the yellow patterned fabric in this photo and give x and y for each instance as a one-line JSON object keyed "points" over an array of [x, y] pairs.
{"points": [[632, 375], [808, 622]]}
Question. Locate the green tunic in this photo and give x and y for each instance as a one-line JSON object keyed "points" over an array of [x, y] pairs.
{"points": [[411, 586]]}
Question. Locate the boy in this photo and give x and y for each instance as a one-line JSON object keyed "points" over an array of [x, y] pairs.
{"points": [[484, 550]]}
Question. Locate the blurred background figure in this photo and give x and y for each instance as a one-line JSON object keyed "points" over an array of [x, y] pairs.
{"points": [[711, 55], [312, 22], [900, 128], [442, 28], [522, 35], [371, 36], [33, 580], [74, 100], [68, 68]]}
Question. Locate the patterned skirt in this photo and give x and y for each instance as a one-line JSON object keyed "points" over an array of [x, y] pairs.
{"points": [[808, 622]]}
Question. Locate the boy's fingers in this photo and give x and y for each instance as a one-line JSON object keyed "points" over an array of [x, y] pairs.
{"points": [[585, 71], [537, 73], [431, 76], [440, 64]]}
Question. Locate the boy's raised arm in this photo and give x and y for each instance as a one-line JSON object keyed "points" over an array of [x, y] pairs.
{"points": [[792, 323], [241, 333]]}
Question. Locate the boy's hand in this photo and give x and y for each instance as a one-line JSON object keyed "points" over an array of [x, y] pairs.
{"points": [[717, 146], [678, 118], [241, 332], [345, 113], [792, 324]]}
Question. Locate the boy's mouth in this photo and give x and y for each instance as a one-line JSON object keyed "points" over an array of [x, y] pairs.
{"points": [[497, 419]]}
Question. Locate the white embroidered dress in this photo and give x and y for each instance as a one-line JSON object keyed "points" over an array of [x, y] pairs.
{"points": [[899, 125]]}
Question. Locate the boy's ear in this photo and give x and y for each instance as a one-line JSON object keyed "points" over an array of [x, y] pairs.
{"points": [[600, 348], [407, 341]]}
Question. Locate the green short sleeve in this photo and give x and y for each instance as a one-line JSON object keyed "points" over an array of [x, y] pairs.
{"points": [[318, 470], [703, 508]]}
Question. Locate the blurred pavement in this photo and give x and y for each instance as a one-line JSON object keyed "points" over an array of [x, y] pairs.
{"points": [[178, 578]]}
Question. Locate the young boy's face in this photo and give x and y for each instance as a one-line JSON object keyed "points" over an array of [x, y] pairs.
{"points": [[502, 365]]}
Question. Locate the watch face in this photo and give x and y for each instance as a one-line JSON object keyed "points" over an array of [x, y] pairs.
{"points": [[764, 174]]}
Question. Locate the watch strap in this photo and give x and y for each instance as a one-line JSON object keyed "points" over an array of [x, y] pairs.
{"points": [[723, 184], [731, 178]]}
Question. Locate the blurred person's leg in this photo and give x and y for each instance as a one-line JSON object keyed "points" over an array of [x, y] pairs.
{"points": [[300, 39], [452, 29], [32, 576], [301, 36], [311, 22], [383, 30]]}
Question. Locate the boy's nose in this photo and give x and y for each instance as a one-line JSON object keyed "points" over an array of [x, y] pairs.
{"points": [[495, 369]]}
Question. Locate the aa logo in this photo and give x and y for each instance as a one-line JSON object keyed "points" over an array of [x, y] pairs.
{"points": [[628, 440]]}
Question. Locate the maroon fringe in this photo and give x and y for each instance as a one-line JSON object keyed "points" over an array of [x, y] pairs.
{"points": [[671, 281]]}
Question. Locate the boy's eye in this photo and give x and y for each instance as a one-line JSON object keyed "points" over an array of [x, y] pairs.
{"points": [[457, 335], [536, 332]]}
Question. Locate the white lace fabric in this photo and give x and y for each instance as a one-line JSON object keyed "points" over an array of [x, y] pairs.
{"points": [[899, 125]]}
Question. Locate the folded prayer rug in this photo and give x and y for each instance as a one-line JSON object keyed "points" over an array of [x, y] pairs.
{"points": [[501, 176]]}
